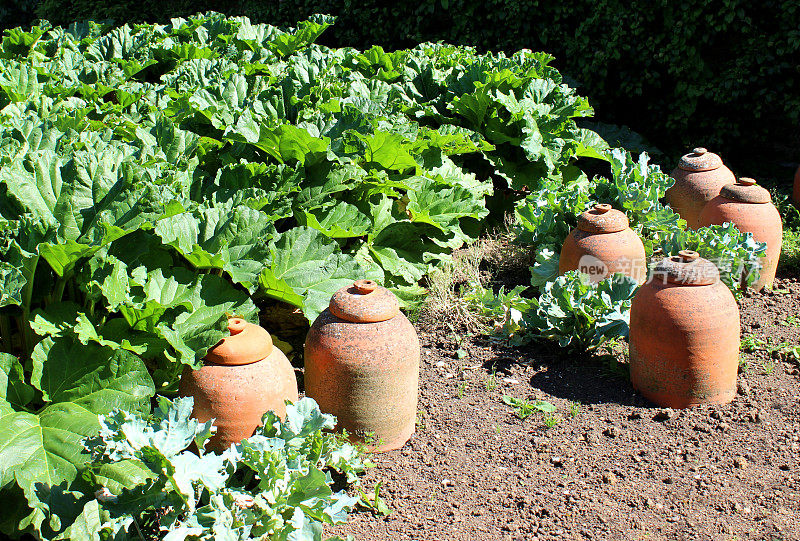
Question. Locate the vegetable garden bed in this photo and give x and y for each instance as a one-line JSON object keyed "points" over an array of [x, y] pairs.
{"points": [[157, 179], [612, 466]]}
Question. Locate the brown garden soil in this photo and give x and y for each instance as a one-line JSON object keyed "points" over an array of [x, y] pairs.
{"points": [[613, 467]]}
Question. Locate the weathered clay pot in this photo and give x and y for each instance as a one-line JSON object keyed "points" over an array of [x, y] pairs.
{"points": [[698, 179], [362, 365], [602, 245], [750, 208], [684, 335], [796, 193], [243, 377]]}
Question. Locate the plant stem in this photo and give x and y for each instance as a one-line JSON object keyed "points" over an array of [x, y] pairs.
{"points": [[73, 291], [58, 291], [178, 491], [25, 331], [247, 478], [25, 338], [5, 333], [138, 529]]}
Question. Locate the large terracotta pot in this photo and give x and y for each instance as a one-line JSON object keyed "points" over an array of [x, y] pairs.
{"points": [[684, 335], [750, 207], [243, 377], [796, 193], [698, 179], [362, 365], [602, 245]]}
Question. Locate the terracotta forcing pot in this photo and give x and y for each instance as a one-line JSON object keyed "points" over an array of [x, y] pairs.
{"points": [[603, 244], [698, 179], [684, 335], [750, 208], [362, 365], [243, 377]]}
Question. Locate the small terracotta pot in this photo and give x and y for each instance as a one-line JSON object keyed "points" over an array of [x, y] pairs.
{"points": [[796, 193], [362, 365], [750, 208], [684, 335], [243, 377], [699, 177], [602, 245]]}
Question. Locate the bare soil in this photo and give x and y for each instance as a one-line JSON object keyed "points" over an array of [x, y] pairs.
{"points": [[613, 467]]}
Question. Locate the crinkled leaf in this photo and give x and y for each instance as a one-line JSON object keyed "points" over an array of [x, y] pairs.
{"points": [[102, 380], [342, 221], [13, 387], [306, 269]]}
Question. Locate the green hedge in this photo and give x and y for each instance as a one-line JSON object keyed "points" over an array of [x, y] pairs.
{"points": [[15, 13], [721, 73]]}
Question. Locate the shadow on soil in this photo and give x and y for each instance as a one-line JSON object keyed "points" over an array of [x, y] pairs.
{"points": [[588, 380]]}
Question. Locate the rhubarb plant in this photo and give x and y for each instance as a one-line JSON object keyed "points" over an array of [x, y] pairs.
{"points": [[156, 179]]}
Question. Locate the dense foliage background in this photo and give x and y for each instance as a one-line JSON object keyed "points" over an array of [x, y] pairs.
{"points": [[682, 73], [157, 179]]}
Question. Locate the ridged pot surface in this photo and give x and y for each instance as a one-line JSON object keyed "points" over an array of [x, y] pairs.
{"points": [[366, 373], [749, 207], [238, 394], [699, 177], [684, 341], [601, 248]]}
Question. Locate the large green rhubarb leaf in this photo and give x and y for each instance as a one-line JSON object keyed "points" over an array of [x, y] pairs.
{"points": [[222, 103], [401, 248], [36, 184], [342, 221], [43, 448], [442, 206], [67, 319], [78, 382], [234, 240], [104, 378], [386, 150], [305, 269], [284, 43], [187, 310], [12, 281], [91, 200], [19, 82], [286, 143]]}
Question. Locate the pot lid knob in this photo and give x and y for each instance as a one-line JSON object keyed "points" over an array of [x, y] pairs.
{"points": [[686, 268], [364, 302], [601, 208], [746, 190], [602, 218], [247, 344], [365, 286], [236, 325], [699, 159]]}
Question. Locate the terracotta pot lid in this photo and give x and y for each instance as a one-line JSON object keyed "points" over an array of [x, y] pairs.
{"points": [[247, 344], [745, 190], [700, 159], [364, 302], [601, 218], [686, 269]]}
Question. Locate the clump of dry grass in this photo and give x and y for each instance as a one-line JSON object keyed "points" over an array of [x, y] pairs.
{"points": [[491, 261]]}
